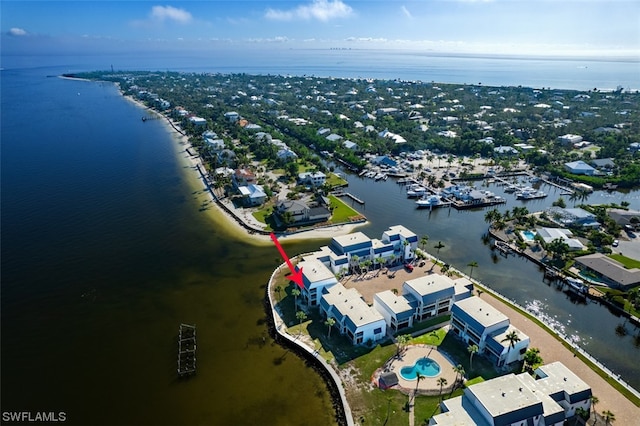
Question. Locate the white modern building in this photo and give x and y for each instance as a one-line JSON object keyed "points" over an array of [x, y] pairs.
{"points": [[546, 399], [355, 319], [315, 278], [478, 323]]}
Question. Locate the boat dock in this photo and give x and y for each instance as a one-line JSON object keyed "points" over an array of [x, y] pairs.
{"points": [[186, 350], [462, 205], [350, 195]]}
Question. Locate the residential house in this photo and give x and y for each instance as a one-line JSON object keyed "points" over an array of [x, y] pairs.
{"points": [[312, 178], [252, 194], [579, 168], [625, 217], [549, 398], [243, 177], [569, 139], [333, 137], [355, 319], [404, 241], [232, 116], [550, 234], [610, 271], [286, 154], [573, 217], [298, 212]]}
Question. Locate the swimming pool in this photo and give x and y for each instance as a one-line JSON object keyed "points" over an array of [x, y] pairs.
{"points": [[425, 366], [528, 235]]}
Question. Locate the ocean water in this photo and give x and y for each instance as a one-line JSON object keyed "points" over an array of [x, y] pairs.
{"points": [[105, 251]]}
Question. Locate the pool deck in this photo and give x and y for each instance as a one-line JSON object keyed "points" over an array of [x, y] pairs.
{"points": [[428, 385]]}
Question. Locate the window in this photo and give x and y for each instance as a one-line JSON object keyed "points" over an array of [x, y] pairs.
{"points": [[377, 330]]}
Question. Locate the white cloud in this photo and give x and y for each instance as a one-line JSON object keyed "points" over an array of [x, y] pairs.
{"points": [[406, 12], [322, 10], [170, 13], [17, 32]]}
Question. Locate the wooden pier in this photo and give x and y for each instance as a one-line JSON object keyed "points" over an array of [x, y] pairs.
{"points": [[186, 350], [350, 195]]}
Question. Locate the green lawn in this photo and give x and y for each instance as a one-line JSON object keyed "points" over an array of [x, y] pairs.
{"points": [[341, 212], [335, 180], [626, 261]]}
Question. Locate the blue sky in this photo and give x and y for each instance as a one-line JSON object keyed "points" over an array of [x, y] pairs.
{"points": [[562, 27]]}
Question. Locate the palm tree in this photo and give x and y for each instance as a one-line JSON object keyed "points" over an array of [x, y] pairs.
{"points": [[423, 241], [608, 417], [511, 337], [354, 260], [402, 341], [301, 316], [459, 370], [418, 378], [472, 265], [594, 401], [582, 414], [295, 292], [329, 323], [472, 349], [439, 246], [531, 359], [441, 382]]}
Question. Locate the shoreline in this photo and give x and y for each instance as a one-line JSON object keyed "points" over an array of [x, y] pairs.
{"points": [[232, 223]]}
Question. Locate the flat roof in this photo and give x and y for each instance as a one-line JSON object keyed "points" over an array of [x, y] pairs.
{"points": [[400, 229], [481, 311], [430, 284], [350, 239], [396, 304], [315, 271], [504, 395], [560, 378]]}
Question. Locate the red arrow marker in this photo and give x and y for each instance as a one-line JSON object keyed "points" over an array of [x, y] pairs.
{"points": [[296, 275]]}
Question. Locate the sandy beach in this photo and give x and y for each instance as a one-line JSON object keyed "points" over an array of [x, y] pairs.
{"points": [[221, 217]]}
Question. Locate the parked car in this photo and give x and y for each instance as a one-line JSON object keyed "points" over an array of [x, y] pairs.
{"points": [[408, 267], [615, 243]]}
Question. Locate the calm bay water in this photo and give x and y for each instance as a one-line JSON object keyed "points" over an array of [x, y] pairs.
{"points": [[104, 253]]}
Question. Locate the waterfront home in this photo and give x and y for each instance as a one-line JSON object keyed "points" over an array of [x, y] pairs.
{"points": [[625, 217], [355, 319], [431, 295], [252, 195], [478, 323], [243, 177], [312, 178], [573, 217], [315, 278], [396, 310], [300, 212], [609, 271], [579, 168], [198, 121], [215, 144], [550, 397], [550, 234]]}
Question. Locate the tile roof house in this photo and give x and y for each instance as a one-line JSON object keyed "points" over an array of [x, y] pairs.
{"points": [[549, 398]]}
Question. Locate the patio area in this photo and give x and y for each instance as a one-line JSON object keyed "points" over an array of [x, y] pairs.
{"points": [[426, 386]]}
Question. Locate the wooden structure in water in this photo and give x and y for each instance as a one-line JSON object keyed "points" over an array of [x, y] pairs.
{"points": [[186, 350]]}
